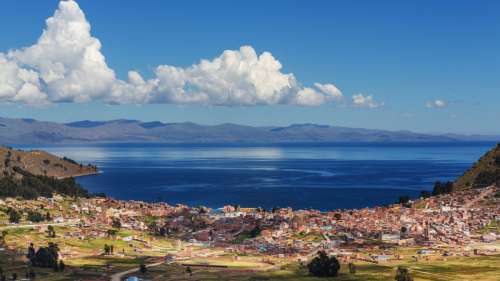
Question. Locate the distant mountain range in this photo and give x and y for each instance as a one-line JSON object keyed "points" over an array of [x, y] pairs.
{"points": [[30, 131]]}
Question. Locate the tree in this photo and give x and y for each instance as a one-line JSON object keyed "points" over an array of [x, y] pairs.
{"points": [[189, 271], [403, 274], [32, 186], [324, 266], [62, 266], [31, 251], [255, 232], [111, 232], [51, 232], [404, 199], [35, 216], [438, 189], [425, 194], [14, 216], [107, 249], [352, 268], [3, 237], [442, 188], [46, 256], [116, 224], [448, 187], [143, 268]]}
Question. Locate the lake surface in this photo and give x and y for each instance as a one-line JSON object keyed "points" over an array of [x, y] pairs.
{"points": [[326, 176]]}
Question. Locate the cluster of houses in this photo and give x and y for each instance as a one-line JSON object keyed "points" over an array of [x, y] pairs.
{"points": [[453, 220]]}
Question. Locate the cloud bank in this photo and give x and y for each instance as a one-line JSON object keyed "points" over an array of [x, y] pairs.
{"points": [[66, 65]]}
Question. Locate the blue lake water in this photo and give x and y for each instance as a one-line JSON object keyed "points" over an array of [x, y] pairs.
{"points": [[326, 176]]}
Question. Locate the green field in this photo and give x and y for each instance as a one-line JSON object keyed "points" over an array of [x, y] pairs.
{"points": [[481, 268], [84, 261]]}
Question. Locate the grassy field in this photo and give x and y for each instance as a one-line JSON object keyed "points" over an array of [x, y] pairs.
{"points": [[83, 258], [85, 261], [484, 268]]}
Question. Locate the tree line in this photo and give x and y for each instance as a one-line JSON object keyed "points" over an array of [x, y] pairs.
{"points": [[32, 186]]}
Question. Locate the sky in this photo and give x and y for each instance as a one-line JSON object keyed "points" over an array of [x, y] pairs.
{"points": [[426, 66]]}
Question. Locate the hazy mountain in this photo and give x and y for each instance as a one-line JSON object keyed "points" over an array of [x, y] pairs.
{"points": [[29, 131]]}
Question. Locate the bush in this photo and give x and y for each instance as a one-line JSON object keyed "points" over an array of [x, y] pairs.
{"points": [[35, 216], [143, 268], [324, 266], [403, 274], [14, 216], [46, 256]]}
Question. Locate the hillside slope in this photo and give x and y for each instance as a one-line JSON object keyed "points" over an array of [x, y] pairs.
{"points": [[40, 163], [485, 172], [30, 174]]}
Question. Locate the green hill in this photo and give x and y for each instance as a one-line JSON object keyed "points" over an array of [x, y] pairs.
{"points": [[485, 172], [40, 163], [29, 174]]}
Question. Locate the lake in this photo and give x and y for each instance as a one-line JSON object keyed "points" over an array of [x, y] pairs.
{"points": [[320, 176]]}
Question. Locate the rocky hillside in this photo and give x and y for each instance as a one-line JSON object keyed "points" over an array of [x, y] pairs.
{"points": [[485, 172], [39, 163]]}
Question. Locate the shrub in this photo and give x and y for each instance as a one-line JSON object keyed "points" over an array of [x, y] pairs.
{"points": [[403, 274], [324, 266], [143, 268]]}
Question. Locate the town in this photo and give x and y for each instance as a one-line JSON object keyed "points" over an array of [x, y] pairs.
{"points": [[460, 224]]}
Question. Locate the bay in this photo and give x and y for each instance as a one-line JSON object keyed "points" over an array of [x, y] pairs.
{"points": [[319, 176]]}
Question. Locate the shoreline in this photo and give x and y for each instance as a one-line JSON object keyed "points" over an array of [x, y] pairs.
{"points": [[93, 173]]}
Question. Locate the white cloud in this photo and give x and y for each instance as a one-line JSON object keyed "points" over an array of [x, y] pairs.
{"points": [[329, 90], [67, 59], [66, 65], [436, 104], [361, 100], [19, 84]]}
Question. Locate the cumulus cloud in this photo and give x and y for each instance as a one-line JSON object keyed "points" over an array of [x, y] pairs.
{"points": [[66, 65], [436, 104], [368, 101], [19, 84]]}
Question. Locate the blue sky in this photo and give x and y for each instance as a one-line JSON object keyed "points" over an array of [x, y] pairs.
{"points": [[405, 54]]}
